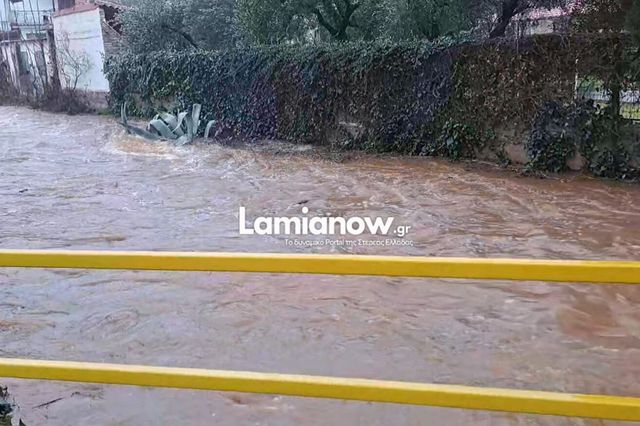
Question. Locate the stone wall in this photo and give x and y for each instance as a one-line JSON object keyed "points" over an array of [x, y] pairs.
{"points": [[111, 38]]}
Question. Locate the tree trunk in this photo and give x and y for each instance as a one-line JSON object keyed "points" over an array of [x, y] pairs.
{"points": [[339, 31], [616, 82], [55, 70], [509, 10], [616, 101], [182, 34]]}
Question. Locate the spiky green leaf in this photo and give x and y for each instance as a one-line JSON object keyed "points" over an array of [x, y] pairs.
{"points": [[140, 132], [169, 119], [178, 130], [207, 130], [162, 129], [195, 117]]}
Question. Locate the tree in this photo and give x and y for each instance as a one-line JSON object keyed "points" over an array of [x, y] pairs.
{"points": [[335, 16], [601, 15], [213, 24], [506, 10], [393, 19], [271, 21], [633, 21], [425, 19], [611, 16], [633, 26], [72, 64], [150, 25]]}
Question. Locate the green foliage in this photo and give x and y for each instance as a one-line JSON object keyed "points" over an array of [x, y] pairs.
{"points": [[303, 21], [613, 17], [146, 26], [611, 151], [293, 92], [341, 19], [519, 77], [425, 19], [271, 22], [505, 10], [601, 15], [556, 134], [633, 21], [151, 25], [455, 141], [213, 24], [310, 21], [633, 26], [443, 98], [505, 83], [603, 139]]}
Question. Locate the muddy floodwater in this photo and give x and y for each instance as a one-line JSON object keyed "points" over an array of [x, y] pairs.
{"points": [[81, 183]]}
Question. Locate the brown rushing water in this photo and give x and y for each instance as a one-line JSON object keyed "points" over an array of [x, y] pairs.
{"points": [[80, 183]]}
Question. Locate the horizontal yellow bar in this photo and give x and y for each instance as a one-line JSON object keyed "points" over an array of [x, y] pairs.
{"points": [[517, 401], [621, 272]]}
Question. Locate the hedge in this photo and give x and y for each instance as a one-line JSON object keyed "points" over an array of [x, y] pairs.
{"points": [[445, 98]]}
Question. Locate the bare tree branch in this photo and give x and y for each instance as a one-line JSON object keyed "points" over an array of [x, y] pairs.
{"points": [[181, 33]]}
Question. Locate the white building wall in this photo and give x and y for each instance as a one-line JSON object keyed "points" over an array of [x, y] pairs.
{"points": [[78, 38]]}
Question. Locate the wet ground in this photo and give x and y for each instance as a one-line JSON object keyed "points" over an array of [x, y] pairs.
{"points": [[81, 183]]}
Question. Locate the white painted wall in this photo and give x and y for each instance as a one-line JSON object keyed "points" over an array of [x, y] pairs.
{"points": [[79, 35]]}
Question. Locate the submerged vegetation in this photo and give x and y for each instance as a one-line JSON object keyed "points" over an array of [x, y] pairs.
{"points": [[180, 129]]}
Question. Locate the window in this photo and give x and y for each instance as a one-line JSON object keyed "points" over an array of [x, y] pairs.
{"points": [[66, 4]]}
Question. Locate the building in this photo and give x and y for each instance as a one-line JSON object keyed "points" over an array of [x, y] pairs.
{"points": [[25, 43], [85, 32], [58, 42], [541, 21]]}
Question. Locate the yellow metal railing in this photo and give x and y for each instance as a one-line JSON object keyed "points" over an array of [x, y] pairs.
{"points": [[508, 400], [586, 271]]}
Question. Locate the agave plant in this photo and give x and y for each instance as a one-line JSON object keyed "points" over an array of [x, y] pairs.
{"points": [[181, 129]]}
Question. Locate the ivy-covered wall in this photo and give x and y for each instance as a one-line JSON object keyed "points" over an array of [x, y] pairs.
{"points": [[454, 98]]}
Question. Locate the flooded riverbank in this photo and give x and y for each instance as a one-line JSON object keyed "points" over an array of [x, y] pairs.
{"points": [[81, 183]]}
